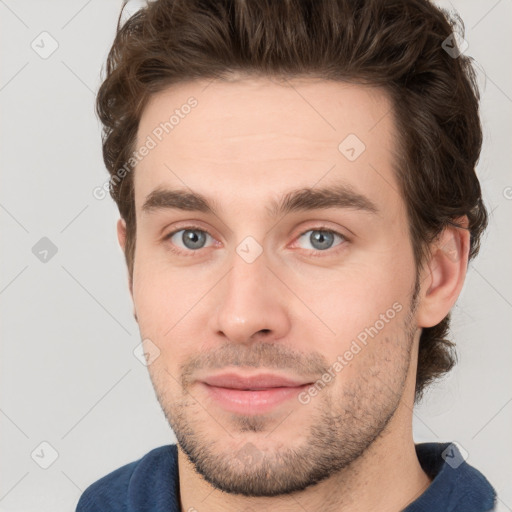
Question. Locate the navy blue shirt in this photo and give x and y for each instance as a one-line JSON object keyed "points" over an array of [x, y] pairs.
{"points": [[151, 484]]}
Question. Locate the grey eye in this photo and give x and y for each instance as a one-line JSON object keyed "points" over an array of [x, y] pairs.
{"points": [[190, 238], [320, 240]]}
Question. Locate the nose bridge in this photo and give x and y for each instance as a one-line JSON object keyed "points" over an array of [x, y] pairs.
{"points": [[249, 299]]}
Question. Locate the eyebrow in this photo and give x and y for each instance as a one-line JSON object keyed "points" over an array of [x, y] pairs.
{"points": [[298, 200]]}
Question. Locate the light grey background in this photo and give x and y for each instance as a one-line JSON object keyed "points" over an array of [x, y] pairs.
{"points": [[68, 373]]}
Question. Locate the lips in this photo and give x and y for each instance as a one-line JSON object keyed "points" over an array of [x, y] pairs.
{"points": [[253, 382], [251, 394]]}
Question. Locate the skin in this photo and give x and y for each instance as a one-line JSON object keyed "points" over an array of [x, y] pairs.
{"points": [[250, 141]]}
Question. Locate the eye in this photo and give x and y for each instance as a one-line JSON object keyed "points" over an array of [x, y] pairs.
{"points": [[189, 239], [321, 239]]}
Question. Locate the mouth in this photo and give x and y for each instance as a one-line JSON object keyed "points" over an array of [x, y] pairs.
{"points": [[253, 382], [255, 394]]}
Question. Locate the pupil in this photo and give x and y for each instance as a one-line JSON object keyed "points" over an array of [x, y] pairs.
{"points": [[321, 239], [193, 239]]}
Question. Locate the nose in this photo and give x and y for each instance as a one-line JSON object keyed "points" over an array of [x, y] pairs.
{"points": [[251, 303]]}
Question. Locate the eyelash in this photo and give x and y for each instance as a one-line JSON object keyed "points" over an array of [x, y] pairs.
{"points": [[314, 253]]}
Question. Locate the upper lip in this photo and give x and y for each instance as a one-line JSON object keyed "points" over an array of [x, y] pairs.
{"points": [[259, 381]]}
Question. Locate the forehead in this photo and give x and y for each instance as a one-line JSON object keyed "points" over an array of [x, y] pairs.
{"points": [[257, 136]]}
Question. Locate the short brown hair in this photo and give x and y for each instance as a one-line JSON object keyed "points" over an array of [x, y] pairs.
{"points": [[394, 44]]}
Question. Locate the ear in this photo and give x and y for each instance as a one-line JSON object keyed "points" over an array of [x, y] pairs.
{"points": [[121, 237], [121, 233], [443, 276]]}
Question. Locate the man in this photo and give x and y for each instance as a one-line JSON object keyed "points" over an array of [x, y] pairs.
{"points": [[298, 198]]}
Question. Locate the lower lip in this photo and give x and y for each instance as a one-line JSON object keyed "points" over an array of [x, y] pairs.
{"points": [[252, 402]]}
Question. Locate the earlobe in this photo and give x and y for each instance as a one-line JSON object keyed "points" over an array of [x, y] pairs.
{"points": [[443, 277], [121, 233]]}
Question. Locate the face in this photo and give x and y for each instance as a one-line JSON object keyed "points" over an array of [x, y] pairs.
{"points": [[272, 239]]}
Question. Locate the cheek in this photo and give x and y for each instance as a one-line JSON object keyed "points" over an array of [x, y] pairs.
{"points": [[167, 302], [353, 297], [153, 296]]}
